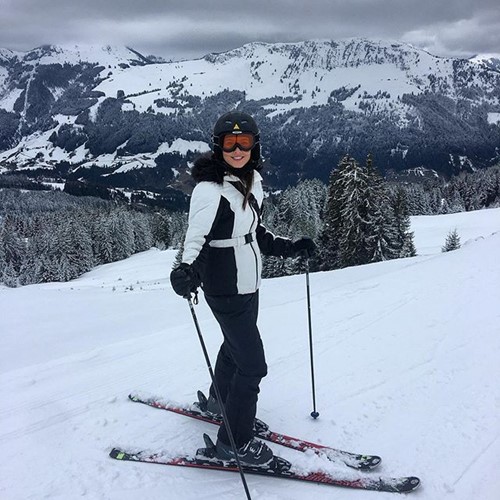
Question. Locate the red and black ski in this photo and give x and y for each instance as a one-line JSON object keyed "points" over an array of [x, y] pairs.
{"points": [[279, 468]]}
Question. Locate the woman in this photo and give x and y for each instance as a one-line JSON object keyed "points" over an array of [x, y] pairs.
{"points": [[222, 253]]}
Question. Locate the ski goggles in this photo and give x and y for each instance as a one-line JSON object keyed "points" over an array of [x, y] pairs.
{"points": [[244, 141]]}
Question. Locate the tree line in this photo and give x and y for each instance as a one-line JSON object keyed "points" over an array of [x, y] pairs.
{"points": [[52, 236], [462, 193], [356, 218]]}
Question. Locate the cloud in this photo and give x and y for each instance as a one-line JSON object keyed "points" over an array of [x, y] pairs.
{"points": [[462, 37], [182, 29]]}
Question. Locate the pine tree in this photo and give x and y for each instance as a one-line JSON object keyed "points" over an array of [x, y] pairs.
{"points": [[122, 235], [3, 261], [274, 221], [354, 234], [403, 244], [297, 214], [13, 247], [178, 228], [80, 255], [381, 235], [332, 223], [452, 242], [143, 235], [178, 257], [102, 248], [161, 230], [9, 276], [28, 271], [299, 210]]}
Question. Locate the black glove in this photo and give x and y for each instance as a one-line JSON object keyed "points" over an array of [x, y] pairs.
{"points": [[304, 246], [184, 280]]}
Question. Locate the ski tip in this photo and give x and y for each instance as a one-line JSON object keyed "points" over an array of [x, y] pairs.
{"points": [[117, 454], [414, 482], [410, 483]]}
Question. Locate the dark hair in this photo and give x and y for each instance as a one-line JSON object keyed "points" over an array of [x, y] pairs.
{"points": [[246, 176], [247, 180]]}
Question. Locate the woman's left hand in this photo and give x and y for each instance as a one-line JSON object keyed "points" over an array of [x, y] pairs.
{"points": [[304, 246]]}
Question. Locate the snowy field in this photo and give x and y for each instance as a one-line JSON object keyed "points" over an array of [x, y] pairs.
{"points": [[407, 367]]}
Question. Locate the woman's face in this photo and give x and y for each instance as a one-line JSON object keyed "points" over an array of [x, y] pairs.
{"points": [[237, 158]]}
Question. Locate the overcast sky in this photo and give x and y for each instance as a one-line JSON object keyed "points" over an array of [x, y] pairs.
{"points": [[183, 29]]}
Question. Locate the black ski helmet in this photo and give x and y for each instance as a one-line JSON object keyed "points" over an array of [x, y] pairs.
{"points": [[235, 122]]}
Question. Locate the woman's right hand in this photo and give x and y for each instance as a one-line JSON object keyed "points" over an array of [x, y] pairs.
{"points": [[184, 280]]}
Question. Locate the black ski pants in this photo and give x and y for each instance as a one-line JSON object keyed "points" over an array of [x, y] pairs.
{"points": [[241, 363]]}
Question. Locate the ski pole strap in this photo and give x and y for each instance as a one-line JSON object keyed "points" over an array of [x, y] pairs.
{"points": [[195, 298], [237, 241]]}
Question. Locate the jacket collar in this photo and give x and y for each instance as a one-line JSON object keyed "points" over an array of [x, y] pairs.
{"points": [[208, 168]]}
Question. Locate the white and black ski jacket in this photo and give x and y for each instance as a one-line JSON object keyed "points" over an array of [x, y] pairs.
{"points": [[224, 241]]}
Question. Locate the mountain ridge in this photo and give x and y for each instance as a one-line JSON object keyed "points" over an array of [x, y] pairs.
{"points": [[409, 108]]}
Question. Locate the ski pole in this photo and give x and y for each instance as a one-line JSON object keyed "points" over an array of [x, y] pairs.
{"points": [[217, 393], [314, 413]]}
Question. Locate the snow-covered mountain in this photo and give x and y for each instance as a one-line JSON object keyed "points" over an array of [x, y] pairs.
{"points": [[406, 365], [315, 100], [491, 61]]}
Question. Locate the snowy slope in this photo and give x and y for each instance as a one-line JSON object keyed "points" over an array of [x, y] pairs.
{"points": [[305, 73], [103, 55], [406, 366], [491, 61]]}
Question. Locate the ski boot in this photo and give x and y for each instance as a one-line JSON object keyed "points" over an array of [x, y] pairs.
{"points": [[253, 453]]}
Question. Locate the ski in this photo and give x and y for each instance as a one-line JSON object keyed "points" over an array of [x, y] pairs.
{"points": [[278, 468], [353, 460]]}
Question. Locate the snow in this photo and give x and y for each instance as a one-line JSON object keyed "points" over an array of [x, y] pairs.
{"points": [[135, 163], [183, 147], [494, 118], [406, 359], [109, 56], [9, 99], [139, 161], [481, 57], [55, 185], [431, 230]]}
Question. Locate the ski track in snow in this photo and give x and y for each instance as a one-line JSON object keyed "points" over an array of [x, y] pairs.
{"points": [[475, 460], [406, 361]]}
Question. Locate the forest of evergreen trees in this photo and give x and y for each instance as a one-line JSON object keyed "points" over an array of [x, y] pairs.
{"points": [[53, 236], [462, 193], [356, 219]]}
